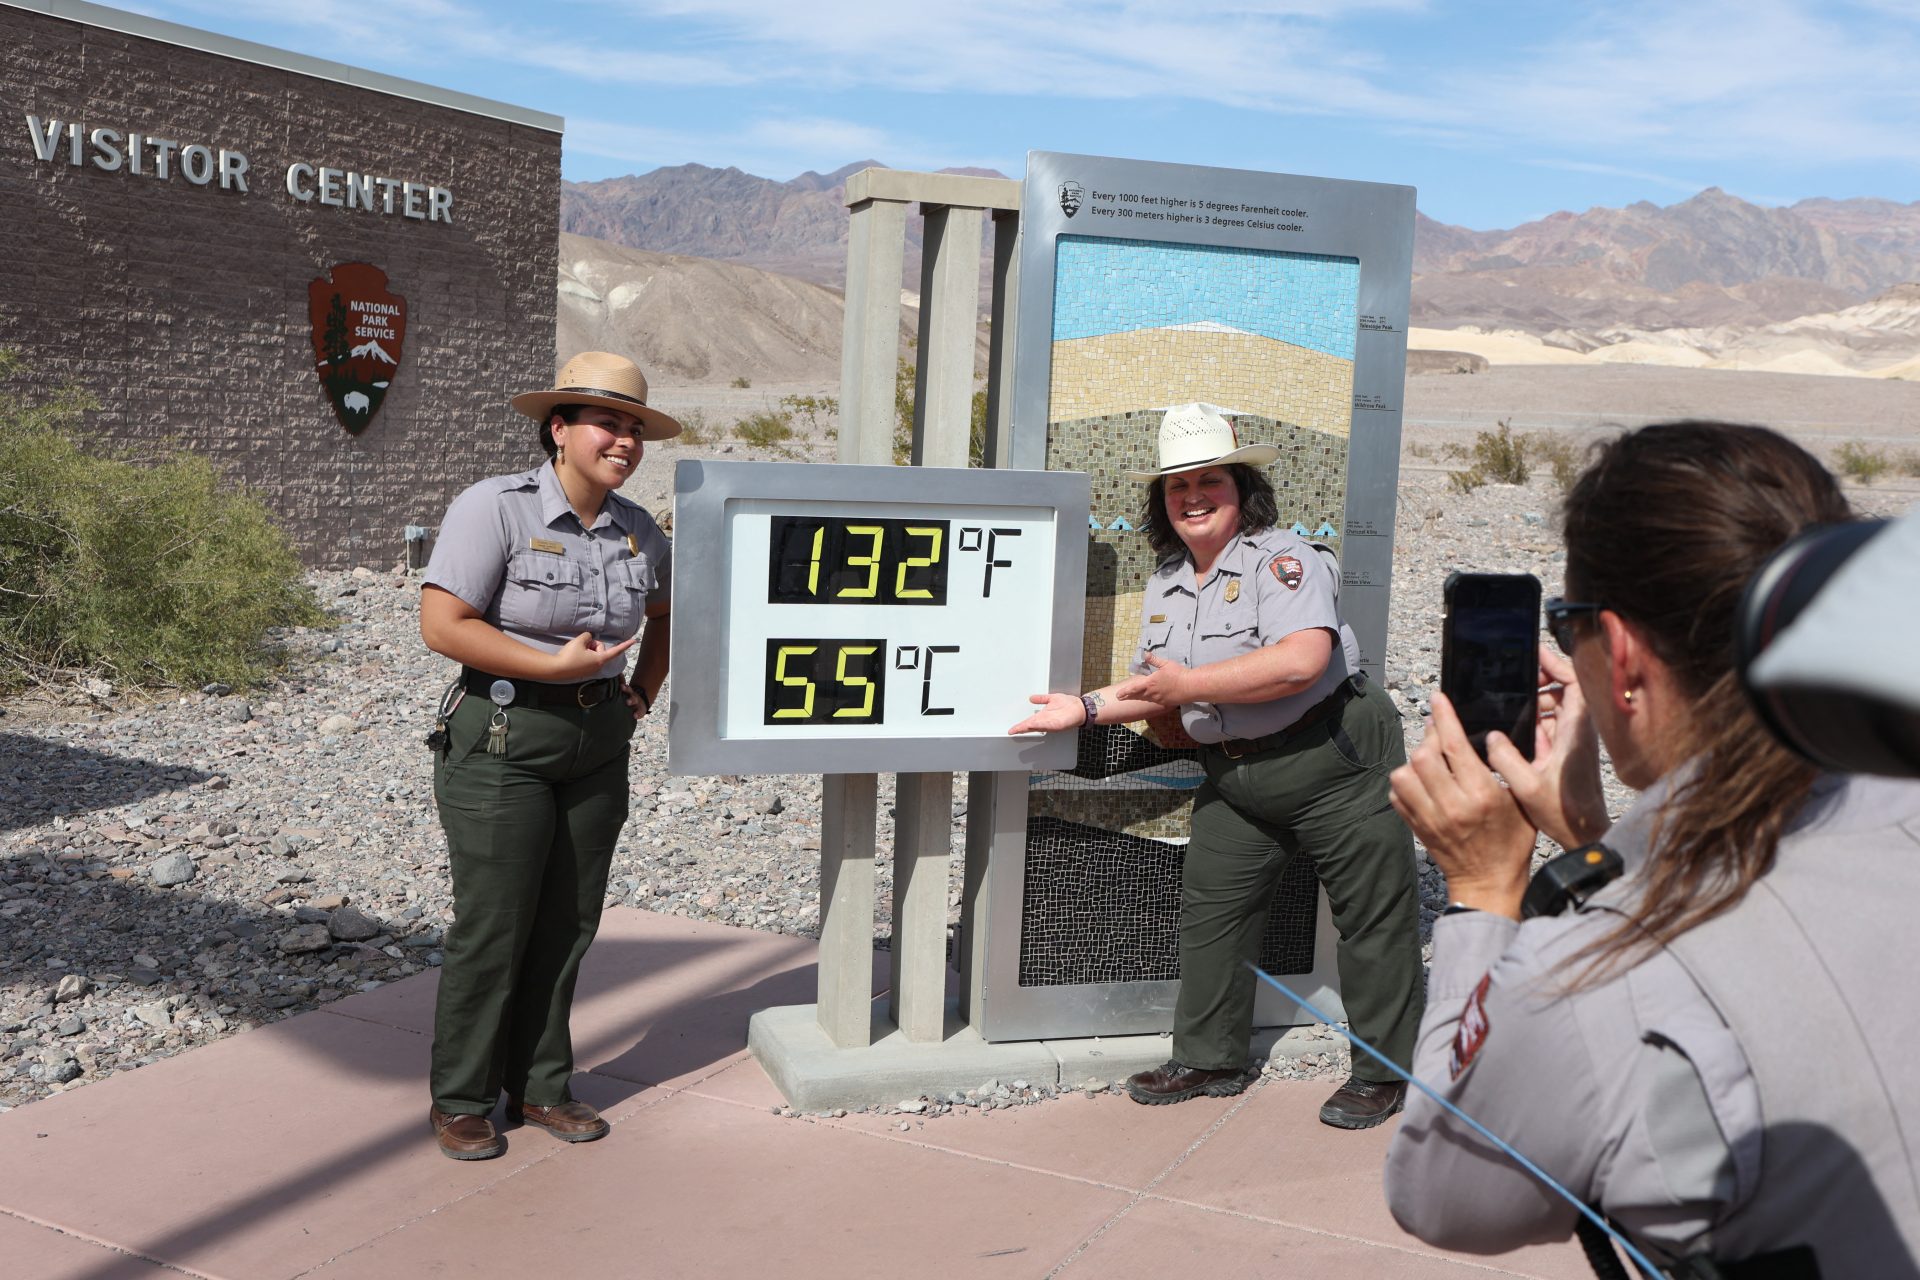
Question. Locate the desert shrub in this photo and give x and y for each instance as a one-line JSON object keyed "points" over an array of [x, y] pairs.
{"points": [[808, 409], [157, 573], [740, 382], [1560, 454], [768, 429], [1498, 456], [1908, 462], [1861, 462], [694, 428], [1501, 455], [1417, 450]]}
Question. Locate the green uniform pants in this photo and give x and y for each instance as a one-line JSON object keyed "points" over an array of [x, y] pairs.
{"points": [[531, 835], [1322, 796]]}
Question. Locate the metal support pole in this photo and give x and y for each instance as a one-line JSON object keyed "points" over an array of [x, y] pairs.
{"points": [[1000, 336], [870, 344], [849, 803], [922, 849]]}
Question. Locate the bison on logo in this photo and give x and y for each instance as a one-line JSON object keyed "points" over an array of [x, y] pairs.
{"points": [[359, 333]]}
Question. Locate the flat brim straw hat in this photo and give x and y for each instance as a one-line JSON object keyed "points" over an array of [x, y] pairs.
{"points": [[607, 381], [1199, 435]]}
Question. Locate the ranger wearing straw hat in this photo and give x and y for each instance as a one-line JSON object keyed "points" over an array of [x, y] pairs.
{"points": [[1241, 636], [538, 585]]}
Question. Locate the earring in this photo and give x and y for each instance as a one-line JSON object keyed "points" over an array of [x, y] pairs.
{"points": [[1628, 697], [560, 456]]}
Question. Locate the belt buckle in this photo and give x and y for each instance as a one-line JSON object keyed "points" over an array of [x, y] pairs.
{"points": [[1227, 750], [580, 693]]}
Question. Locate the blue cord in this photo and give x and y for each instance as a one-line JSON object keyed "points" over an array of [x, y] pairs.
{"points": [[1639, 1259]]}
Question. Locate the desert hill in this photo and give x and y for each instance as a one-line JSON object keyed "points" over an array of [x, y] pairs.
{"points": [[1711, 282]]}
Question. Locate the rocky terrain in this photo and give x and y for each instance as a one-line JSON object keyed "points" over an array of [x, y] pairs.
{"points": [[178, 869]]}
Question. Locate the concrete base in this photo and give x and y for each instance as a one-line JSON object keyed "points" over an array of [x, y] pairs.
{"points": [[815, 1075]]}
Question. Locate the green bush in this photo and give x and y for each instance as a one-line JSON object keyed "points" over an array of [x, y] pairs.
{"points": [[1559, 453], [1861, 462], [694, 428], [768, 429], [741, 382], [809, 408], [1498, 456], [1909, 462], [159, 574]]}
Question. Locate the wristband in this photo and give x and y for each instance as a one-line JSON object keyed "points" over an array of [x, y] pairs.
{"points": [[1092, 708], [1458, 909]]}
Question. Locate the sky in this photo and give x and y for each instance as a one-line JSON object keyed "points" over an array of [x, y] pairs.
{"points": [[1498, 112]]}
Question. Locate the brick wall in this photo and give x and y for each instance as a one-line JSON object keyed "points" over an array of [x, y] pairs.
{"points": [[183, 308]]}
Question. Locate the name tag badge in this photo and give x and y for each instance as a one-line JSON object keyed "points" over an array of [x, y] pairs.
{"points": [[1158, 617], [548, 545], [633, 546], [1232, 592]]}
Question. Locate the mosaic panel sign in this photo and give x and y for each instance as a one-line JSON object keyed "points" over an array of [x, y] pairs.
{"points": [[1282, 302]]}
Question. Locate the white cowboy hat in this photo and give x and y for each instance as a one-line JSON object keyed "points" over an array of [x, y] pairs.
{"points": [[602, 379], [1199, 435]]}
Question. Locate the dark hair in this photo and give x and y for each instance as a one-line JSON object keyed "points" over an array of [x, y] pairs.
{"points": [[1665, 528], [1259, 509], [567, 413]]}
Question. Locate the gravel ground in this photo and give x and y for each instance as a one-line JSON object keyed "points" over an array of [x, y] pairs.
{"points": [[178, 870]]}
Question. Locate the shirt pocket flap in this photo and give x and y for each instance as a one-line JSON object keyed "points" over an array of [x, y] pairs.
{"points": [[537, 569], [1155, 635], [636, 574]]}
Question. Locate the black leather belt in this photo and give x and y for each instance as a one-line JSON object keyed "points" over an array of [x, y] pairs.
{"points": [[588, 693], [1319, 712]]}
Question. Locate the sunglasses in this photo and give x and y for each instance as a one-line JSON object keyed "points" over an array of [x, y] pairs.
{"points": [[1561, 615]]}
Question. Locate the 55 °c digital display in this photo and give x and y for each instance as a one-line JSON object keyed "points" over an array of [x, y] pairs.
{"points": [[835, 560]]}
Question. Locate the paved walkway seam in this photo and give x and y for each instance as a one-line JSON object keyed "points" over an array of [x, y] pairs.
{"points": [[1146, 1191], [106, 1245], [1341, 1236]]}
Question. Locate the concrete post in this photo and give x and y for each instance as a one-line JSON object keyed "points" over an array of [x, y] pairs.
{"points": [[1000, 336], [922, 848], [949, 321], [870, 344], [849, 803]]}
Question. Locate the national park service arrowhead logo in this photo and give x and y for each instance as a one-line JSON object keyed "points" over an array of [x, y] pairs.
{"points": [[359, 335], [1070, 193]]}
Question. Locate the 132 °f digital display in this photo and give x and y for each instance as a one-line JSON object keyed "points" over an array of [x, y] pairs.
{"points": [[836, 560]]}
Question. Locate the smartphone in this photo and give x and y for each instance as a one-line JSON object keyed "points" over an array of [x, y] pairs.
{"points": [[1490, 655]]}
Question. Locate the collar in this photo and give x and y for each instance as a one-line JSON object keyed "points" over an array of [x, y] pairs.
{"points": [[553, 500]]}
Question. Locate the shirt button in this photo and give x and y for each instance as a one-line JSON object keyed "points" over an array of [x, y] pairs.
{"points": [[549, 577], [594, 572]]}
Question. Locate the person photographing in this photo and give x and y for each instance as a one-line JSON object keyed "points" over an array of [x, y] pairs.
{"points": [[1711, 1050], [1242, 639]]}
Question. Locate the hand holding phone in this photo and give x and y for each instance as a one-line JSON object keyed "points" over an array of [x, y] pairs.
{"points": [[1489, 655]]}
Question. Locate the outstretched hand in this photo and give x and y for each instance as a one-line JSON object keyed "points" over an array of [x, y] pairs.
{"points": [[1472, 826], [1166, 682], [582, 657], [1057, 711]]}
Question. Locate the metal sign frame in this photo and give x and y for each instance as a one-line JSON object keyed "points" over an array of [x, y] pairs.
{"points": [[701, 653], [1369, 222]]}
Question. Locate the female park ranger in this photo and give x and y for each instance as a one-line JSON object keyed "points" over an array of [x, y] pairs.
{"points": [[1241, 635], [537, 586]]}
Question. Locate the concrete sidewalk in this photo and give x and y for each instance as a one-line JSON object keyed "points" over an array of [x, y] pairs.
{"points": [[302, 1149]]}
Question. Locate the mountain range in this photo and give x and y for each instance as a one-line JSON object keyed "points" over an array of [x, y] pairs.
{"points": [[1711, 260]]}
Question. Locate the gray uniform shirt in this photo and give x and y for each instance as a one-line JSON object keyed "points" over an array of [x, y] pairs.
{"points": [[1636, 1093], [1264, 587], [512, 548]]}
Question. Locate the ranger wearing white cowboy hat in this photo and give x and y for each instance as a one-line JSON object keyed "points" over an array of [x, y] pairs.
{"points": [[1241, 636], [538, 585]]}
